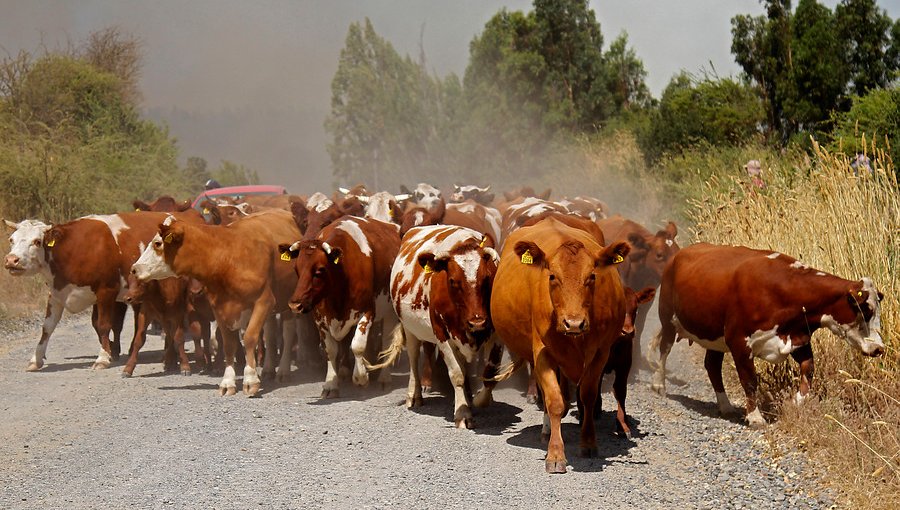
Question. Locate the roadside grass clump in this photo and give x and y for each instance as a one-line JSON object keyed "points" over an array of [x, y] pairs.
{"points": [[845, 222]]}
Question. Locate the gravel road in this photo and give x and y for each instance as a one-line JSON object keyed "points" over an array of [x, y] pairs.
{"points": [[76, 438]]}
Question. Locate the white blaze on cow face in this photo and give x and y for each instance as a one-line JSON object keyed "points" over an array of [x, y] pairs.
{"points": [[318, 202], [427, 196], [152, 264], [862, 334], [26, 248]]}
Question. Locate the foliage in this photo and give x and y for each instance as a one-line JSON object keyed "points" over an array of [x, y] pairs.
{"points": [[233, 174], [874, 117], [702, 111], [71, 140], [866, 31], [196, 174]]}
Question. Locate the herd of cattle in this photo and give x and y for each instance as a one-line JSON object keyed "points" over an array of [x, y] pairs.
{"points": [[559, 284]]}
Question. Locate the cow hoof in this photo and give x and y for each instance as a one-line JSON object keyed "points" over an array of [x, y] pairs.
{"points": [[415, 401], [588, 453], [230, 390], [334, 393], [426, 389], [33, 367], [268, 375], [100, 365], [282, 377], [659, 389], [186, 372], [555, 467], [251, 390], [483, 398], [465, 423], [126, 374], [531, 399]]}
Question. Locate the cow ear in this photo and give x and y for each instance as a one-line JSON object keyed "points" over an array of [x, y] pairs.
{"points": [[488, 198], [669, 232], [10, 226], [638, 241], [183, 206], [171, 234], [646, 295], [529, 253], [614, 254], [405, 190], [430, 264], [140, 205], [288, 252], [51, 237], [880, 296], [546, 194], [334, 256], [300, 214]]}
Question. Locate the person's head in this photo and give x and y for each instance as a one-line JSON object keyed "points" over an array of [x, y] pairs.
{"points": [[212, 184], [753, 167]]}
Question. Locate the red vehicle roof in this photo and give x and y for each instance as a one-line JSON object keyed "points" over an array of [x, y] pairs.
{"points": [[240, 191]]}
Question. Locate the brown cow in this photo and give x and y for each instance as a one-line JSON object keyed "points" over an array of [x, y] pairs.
{"points": [[620, 359], [240, 267], [558, 302], [441, 291], [85, 262], [343, 277], [759, 303], [164, 203], [644, 267], [319, 211]]}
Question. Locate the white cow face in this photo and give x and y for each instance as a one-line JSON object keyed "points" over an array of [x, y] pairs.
{"points": [[863, 332], [152, 264], [26, 251], [426, 195]]}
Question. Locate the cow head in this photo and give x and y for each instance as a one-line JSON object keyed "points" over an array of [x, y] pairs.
{"points": [[857, 318], [300, 213], [632, 301], [425, 195], [136, 289], [651, 253], [155, 262], [164, 203], [384, 206], [570, 274], [317, 265], [26, 247], [460, 296]]}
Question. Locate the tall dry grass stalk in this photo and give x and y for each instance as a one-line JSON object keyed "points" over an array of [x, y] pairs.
{"points": [[819, 210]]}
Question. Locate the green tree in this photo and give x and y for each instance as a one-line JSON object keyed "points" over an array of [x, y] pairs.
{"points": [[865, 29], [875, 115], [233, 174], [196, 173], [626, 77]]}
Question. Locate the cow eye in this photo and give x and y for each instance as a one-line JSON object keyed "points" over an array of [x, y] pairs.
{"points": [[552, 277], [36, 242], [590, 279], [157, 244]]}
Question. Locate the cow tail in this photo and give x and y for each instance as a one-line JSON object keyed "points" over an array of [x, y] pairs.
{"points": [[506, 371], [388, 356], [654, 341]]}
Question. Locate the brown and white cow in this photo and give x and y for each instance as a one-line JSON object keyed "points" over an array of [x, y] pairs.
{"points": [[241, 268], [620, 358], [588, 207], [520, 210], [558, 302], [477, 194], [478, 217], [85, 262], [343, 277], [319, 211], [650, 253], [441, 290], [759, 304]]}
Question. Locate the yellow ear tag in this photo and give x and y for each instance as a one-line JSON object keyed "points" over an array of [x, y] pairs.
{"points": [[527, 258], [428, 268], [51, 243], [859, 294], [286, 256], [618, 259], [338, 259], [483, 239], [168, 238], [137, 210], [391, 213], [205, 210]]}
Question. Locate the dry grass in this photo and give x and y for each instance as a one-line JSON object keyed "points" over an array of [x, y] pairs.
{"points": [[20, 297], [818, 210]]}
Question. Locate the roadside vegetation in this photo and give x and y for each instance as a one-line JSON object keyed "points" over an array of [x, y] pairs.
{"points": [[547, 101]]}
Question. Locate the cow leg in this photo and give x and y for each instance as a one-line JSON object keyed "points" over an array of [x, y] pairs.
{"points": [[229, 346], [414, 389], [485, 395], [170, 350], [184, 362], [358, 347], [140, 336], [200, 333], [462, 415], [804, 356], [713, 364], [665, 338], [427, 366], [289, 339], [118, 322], [620, 389], [554, 407], [531, 394], [588, 390], [330, 388], [261, 312], [52, 315], [103, 320], [640, 362], [271, 341], [747, 374]]}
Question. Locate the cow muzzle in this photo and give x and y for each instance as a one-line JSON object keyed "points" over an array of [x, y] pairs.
{"points": [[476, 324], [574, 325], [13, 264]]}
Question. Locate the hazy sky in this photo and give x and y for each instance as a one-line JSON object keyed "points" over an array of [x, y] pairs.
{"points": [[208, 56]]}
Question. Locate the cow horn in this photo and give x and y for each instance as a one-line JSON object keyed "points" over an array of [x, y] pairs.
{"points": [[401, 197], [326, 247], [363, 199], [344, 191]]}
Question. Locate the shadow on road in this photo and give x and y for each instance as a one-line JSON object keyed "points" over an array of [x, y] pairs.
{"points": [[608, 447], [708, 409], [62, 367], [195, 386], [493, 420]]}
